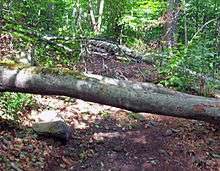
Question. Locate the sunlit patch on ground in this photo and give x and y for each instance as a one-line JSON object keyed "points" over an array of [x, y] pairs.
{"points": [[105, 137], [108, 138]]}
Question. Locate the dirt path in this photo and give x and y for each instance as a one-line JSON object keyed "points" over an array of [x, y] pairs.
{"points": [[119, 140], [108, 138]]}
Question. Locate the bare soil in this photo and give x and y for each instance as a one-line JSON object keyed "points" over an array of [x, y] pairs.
{"points": [[108, 138]]}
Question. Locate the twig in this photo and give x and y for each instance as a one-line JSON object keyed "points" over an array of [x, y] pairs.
{"points": [[15, 167], [200, 29]]}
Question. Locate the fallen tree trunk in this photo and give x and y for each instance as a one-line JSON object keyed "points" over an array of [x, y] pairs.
{"points": [[132, 54], [109, 46], [106, 45], [199, 75], [107, 91], [34, 34], [120, 49]]}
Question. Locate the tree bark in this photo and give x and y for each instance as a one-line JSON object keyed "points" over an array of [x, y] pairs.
{"points": [[185, 24], [101, 10], [173, 14], [92, 15], [96, 24], [122, 94], [78, 17], [120, 49]]}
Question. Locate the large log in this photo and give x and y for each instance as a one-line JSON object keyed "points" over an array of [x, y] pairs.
{"points": [[127, 95], [98, 43], [49, 39], [120, 49]]}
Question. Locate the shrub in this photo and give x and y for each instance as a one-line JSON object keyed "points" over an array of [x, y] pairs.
{"points": [[13, 104]]}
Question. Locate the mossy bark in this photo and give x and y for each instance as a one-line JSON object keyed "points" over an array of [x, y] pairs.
{"points": [[137, 97]]}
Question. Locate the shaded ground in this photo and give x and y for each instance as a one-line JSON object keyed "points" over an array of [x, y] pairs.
{"points": [[108, 138], [112, 67], [117, 141]]}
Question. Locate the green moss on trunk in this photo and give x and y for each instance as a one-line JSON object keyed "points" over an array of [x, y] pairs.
{"points": [[43, 70]]}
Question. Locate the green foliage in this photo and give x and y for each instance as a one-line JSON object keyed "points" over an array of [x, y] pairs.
{"points": [[200, 54], [141, 20], [13, 104], [196, 58], [136, 23], [104, 114], [135, 116]]}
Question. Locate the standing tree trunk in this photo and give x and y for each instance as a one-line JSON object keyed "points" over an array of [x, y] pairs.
{"points": [[92, 16], [101, 9], [1, 12], [185, 25], [173, 14], [78, 16], [96, 25]]}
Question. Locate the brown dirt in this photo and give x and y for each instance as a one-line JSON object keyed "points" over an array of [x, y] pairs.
{"points": [[121, 70], [107, 138]]}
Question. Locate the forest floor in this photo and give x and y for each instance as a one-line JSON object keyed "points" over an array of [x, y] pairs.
{"points": [[108, 138]]}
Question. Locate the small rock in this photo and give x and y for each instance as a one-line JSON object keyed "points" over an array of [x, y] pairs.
{"points": [[152, 124], [163, 152], [7, 143], [154, 162], [70, 152], [48, 116], [57, 129], [169, 132]]}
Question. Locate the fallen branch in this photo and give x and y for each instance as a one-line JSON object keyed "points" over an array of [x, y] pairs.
{"points": [[109, 46], [111, 92], [199, 75], [51, 39], [200, 29], [120, 49], [31, 33]]}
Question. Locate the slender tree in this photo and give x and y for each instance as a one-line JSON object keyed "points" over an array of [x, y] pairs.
{"points": [[96, 25], [173, 16]]}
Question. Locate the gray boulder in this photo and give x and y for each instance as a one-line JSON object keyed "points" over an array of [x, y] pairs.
{"points": [[57, 129]]}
